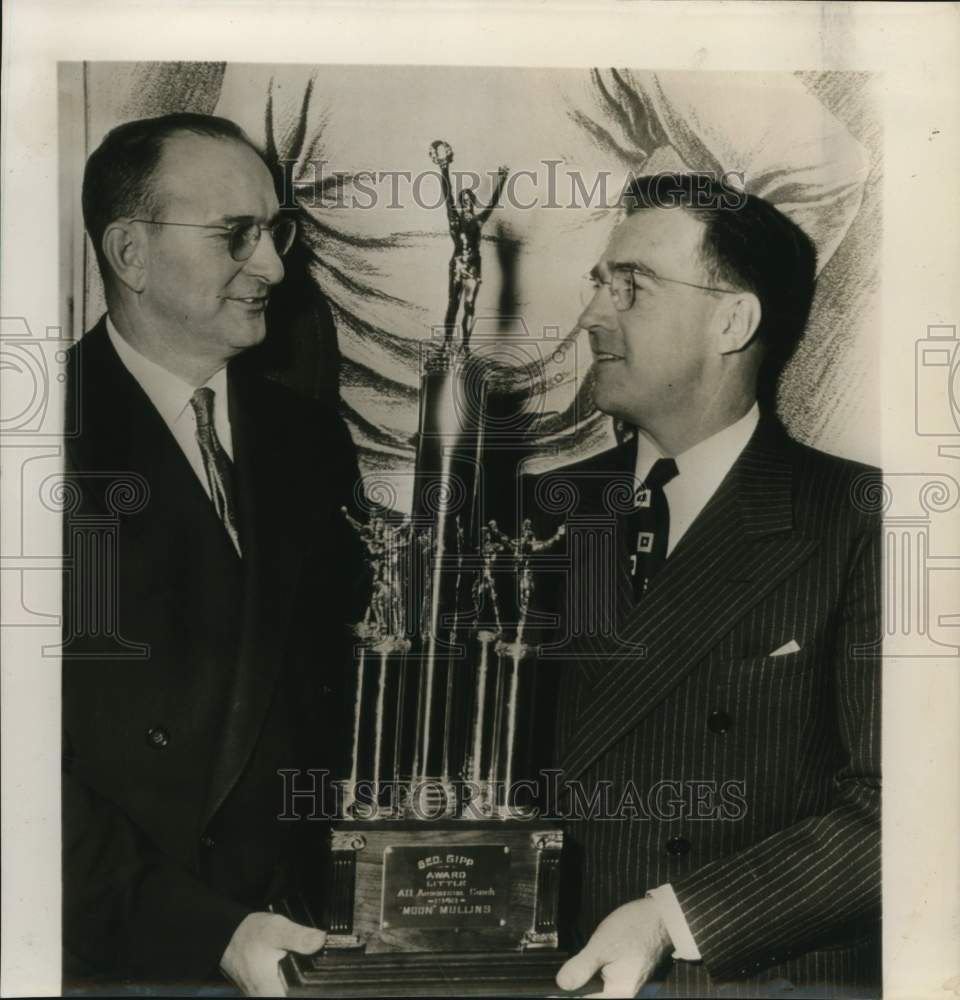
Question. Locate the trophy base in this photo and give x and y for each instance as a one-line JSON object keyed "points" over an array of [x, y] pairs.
{"points": [[525, 974], [415, 908]]}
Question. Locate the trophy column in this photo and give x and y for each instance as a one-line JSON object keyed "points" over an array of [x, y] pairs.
{"points": [[436, 883]]}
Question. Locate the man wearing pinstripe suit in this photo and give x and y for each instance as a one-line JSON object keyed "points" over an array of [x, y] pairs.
{"points": [[735, 691]]}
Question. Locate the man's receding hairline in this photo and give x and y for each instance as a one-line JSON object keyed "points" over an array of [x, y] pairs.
{"points": [[154, 196], [183, 131]]}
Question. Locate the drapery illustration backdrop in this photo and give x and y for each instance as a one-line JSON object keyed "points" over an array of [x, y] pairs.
{"points": [[367, 281]]}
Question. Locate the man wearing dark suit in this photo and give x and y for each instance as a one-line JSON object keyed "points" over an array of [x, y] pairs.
{"points": [[725, 704], [234, 575]]}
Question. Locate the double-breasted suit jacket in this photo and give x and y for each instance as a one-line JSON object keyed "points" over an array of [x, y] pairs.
{"points": [[750, 782], [218, 674]]}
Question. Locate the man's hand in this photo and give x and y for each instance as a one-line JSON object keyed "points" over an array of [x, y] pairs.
{"points": [[258, 944], [626, 947]]}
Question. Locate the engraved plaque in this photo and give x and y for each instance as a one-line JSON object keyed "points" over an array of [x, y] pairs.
{"points": [[435, 886]]}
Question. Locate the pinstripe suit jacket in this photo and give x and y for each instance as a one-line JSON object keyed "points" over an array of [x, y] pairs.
{"points": [[750, 782]]}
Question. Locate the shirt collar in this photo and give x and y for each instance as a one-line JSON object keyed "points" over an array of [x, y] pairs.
{"points": [[702, 467], [168, 393]]}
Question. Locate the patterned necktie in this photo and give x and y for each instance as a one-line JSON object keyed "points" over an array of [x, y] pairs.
{"points": [[217, 463], [648, 525]]}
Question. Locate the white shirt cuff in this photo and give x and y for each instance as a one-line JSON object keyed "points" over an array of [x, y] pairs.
{"points": [[685, 948]]}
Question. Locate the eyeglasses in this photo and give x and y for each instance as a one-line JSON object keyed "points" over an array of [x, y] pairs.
{"points": [[244, 238], [622, 284]]}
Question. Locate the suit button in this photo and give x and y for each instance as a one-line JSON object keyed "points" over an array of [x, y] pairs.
{"points": [[207, 842], [157, 737], [719, 722], [678, 846]]}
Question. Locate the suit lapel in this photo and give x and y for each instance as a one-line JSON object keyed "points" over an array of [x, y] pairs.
{"points": [[271, 498], [736, 551], [122, 431], [609, 488]]}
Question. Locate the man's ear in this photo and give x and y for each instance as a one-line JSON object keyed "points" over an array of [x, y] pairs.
{"points": [[737, 322], [125, 250]]}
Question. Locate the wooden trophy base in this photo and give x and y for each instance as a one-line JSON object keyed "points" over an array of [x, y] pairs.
{"points": [[442, 974], [415, 908]]}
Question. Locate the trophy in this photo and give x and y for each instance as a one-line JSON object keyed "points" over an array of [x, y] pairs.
{"points": [[437, 879]]}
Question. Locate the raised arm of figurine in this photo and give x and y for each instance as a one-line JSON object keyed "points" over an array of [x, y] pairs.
{"points": [[502, 174], [442, 155]]}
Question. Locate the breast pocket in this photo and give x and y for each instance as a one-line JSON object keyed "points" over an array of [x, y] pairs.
{"points": [[772, 700], [767, 669]]}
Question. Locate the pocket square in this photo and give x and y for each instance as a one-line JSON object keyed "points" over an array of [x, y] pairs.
{"points": [[788, 647]]}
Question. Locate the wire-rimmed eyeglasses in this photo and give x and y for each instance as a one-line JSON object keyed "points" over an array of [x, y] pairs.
{"points": [[244, 238], [622, 285]]}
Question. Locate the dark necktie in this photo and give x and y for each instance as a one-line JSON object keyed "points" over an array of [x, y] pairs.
{"points": [[217, 463], [648, 525]]}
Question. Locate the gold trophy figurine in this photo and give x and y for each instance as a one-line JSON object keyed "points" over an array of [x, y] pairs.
{"points": [[466, 223]]}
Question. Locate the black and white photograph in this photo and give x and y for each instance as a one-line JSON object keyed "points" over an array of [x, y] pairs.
{"points": [[484, 515]]}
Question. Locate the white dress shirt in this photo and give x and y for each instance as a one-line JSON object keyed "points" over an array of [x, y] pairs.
{"points": [[171, 397], [700, 470]]}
